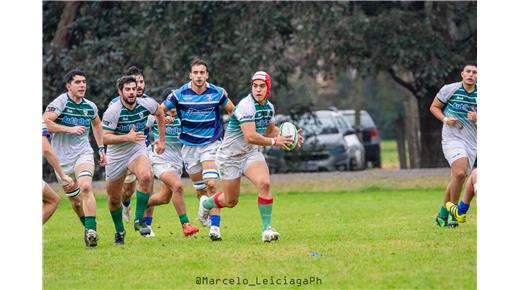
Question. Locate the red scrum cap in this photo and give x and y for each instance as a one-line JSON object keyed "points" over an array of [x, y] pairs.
{"points": [[263, 76]]}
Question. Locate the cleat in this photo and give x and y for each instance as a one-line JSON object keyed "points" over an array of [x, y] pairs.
{"points": [[140, 225], [270, 235], [91, 238], [119, 238], [441, 222], [189, 230], [454, 210], [151, 234], [126, 213], [203, 213], [452, 221], [214, 233]]}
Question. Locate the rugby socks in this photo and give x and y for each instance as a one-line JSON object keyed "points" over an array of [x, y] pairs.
{"points": [[443, 213], [148, 220], [212, 202], [184, 219], [127, 202], [463, 208], [215, 221], [82, 220], [90, 223], [266, 208], [117, 217], [141, 204]]}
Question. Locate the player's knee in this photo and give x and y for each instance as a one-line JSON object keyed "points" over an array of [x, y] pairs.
{"points": [[54, 199], [177, 189], [460, 175], [146, 180], [85, 188], [264, 186]]}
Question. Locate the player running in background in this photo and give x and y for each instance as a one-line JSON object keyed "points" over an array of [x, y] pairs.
{"points": [[198, 103], [460, 210], [123, 126], [251, 125], [456, 106], [69, 118], [49, 196], [168, 168], [130, 180]]}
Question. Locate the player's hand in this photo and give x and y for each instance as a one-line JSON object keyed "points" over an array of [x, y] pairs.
{"points": [[102, 157], [159, 146], [168, 120], [134, 136], [77, 130], [472, 116], [282, 141], [453, 122], [300, 138], [67, 183]]}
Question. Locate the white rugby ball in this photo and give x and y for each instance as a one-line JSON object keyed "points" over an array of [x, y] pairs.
{"points": [[288, 129]]}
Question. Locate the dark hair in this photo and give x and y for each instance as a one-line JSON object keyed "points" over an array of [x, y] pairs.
{"points": [[134, 71], [469, 63], [125, 80], [199, 61], [68, 77]]}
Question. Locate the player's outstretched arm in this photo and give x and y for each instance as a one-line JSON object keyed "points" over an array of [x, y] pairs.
{"points": [[97, 130], [159, 116], [252, 137], [50, 117], [66, 181], [110, 138]]}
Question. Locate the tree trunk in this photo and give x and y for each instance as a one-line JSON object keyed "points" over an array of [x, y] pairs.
{"points": [[67, 17], [431, 129], [412, 133], [401, 142]]}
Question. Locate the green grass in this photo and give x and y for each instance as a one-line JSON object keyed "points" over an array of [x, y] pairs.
{"points": [[389, 155], [371, 237]]}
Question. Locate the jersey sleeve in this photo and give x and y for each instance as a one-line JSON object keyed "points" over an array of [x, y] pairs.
{"points": [[224, 99], [171, 100], [244, 112], [150, 121], [272, 120], [95, 108], [110, 118], [447, 91], [57, 105], [150, 104]]}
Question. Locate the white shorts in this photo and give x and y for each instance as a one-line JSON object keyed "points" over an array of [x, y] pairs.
{"points": [[454, 150], [161, 167], [193, 156], [69, 168], [231, 168], [116, 169]]}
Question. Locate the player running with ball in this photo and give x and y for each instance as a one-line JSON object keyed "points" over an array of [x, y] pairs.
{"points": [[251, 125]]}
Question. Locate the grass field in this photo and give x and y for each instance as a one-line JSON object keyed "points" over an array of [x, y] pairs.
{"points": [[367, 235]]}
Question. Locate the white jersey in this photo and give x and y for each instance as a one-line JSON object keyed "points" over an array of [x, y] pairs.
{"points": [[68, 147], [120, 120], [247, 110], [457, 103]]}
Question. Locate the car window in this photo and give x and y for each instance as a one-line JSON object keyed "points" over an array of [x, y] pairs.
{"points": [[366, 120], [318, 125]]}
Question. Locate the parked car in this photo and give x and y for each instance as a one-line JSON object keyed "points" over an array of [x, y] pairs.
{"points": [[370, 136], [330, 144]]}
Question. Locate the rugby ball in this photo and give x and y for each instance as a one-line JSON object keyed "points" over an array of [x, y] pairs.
{"points": [[288, 129]]}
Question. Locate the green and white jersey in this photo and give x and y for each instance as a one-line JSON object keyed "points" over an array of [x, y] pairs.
{"points": [[247, 110], [68, 147], [119, 119], [457, 103], [172, 145]]}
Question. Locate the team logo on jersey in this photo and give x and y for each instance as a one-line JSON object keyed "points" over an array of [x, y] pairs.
{"points": [[85, 112], [210, 98], [51, 109], [141, 115]]}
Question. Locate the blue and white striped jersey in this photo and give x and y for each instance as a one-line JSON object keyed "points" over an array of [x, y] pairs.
{"points": [[199, 113]]}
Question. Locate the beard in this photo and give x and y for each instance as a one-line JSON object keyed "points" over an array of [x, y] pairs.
{"points": [[130, 102]]}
